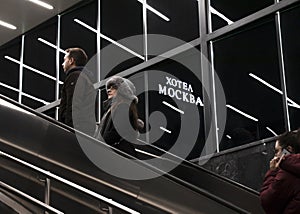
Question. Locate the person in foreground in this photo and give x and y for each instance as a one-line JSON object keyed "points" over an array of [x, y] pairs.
{"points": [[280, 192], [120, 124]]}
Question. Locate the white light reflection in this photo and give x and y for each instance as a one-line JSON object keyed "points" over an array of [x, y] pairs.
{"points": [[242, 113], [291, 102], [154, 11]]}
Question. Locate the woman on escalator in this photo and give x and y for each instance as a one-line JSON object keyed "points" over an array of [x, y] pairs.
{"points": [[120, 124]]}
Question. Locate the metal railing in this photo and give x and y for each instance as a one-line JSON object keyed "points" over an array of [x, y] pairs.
{"points": [[45, 206], [50, 176]]}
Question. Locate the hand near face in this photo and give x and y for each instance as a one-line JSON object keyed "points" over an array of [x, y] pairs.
{"points": [[274, 163]]}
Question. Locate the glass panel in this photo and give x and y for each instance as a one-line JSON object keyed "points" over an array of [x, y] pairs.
{"points": [[225, 12], [74, 34], [50, 113], [36, 53], [10, 70], [291, 47], [183, 20], [247, 65], [31, 103], [173, 84], [38, 86], [115, 59], [120, 20], [9, 93]]}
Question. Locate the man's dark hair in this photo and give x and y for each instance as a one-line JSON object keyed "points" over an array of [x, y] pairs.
{"points": [[78, 55], [292, 139]]}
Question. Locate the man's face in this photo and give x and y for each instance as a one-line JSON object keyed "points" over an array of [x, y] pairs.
{"points": [[68, 62], [278, 149]]}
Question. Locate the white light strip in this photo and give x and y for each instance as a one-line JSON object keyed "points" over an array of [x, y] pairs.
{"points": [[7, 25], [27, 95], [228, 136], [292, 103], [51, 45], [242, 113], [155, 11], [36, 99], [57, 63], [147, 153], [109, 39], [265, 83], [274, 133], [42, 4], [5, 103], [214, 11], [21, 70], [173, 107], [9, 87], [70, 183], [166, 130], [32, 69]]}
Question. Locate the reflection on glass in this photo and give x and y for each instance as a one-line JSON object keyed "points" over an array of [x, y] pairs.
{"points": [[247, 65], [182, 21]]}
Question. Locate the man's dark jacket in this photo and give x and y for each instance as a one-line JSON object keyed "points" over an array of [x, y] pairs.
{"points": [[77, 105]]}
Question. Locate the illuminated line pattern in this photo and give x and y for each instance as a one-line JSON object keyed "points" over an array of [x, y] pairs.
{"points": [[274, 133], [291, 102], [32, 69], [228, 136], [42, 4], [109, 39], [26, 95], [173, 107], [165, 130], [147, 153], [242, 113], [214, 11], [51, 45], [7, 25], [154, 10]]}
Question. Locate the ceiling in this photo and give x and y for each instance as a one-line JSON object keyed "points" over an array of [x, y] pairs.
{"points": [[25, 15]]}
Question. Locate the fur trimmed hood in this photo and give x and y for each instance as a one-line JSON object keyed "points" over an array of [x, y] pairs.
{"points": [[124, 87]]}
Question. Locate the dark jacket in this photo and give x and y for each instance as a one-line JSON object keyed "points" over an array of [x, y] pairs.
{"points": [[115, 128], [80, 107], [280, 192]]}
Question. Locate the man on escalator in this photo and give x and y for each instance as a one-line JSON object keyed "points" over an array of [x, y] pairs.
{"points": [[77, 105]]}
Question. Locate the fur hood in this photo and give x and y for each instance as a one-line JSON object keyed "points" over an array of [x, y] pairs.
{"points": [[124, 87]]}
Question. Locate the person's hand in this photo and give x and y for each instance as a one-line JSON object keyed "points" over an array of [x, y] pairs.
{"points": [[274, 163]]}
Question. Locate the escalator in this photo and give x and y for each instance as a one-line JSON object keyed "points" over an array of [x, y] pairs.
{"points": [[43, 142]]}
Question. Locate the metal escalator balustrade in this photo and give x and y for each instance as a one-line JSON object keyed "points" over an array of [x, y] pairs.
{"points": [[64, 181], [45, 206], [52, 152]]}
